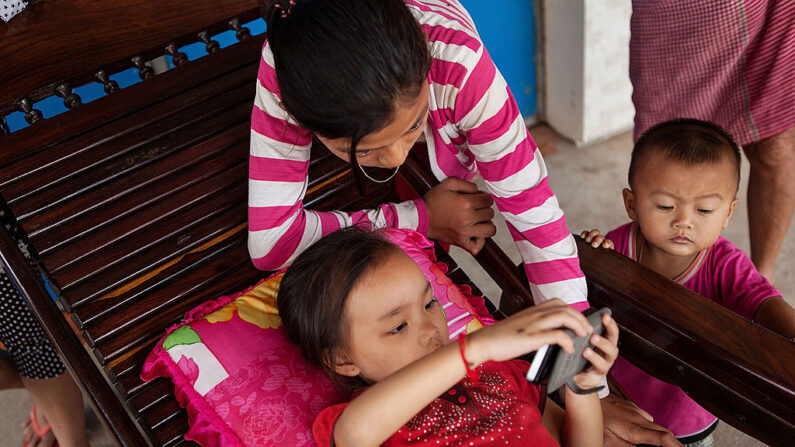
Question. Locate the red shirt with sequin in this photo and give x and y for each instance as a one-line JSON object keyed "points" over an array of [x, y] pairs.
{"points": [[502, 409]]}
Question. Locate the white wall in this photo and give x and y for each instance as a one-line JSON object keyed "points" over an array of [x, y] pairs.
{"points": [[586, 89]]}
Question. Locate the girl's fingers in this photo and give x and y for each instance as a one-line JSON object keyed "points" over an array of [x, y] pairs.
{"points": [[484, 214], [483, 230], [473, 245], [480, 200], [561, 316], [556, 337], [589, 235], [600, 364], [609, 349], [611, 332]]}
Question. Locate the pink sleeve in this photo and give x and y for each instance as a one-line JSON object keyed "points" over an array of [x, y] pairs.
{"points": [[516, 176], [742, 289], [323, 427], [278, 226]]}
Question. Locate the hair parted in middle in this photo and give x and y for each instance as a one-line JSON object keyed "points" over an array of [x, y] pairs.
{"points": [[343, 65], [313, 292], [686, 140]]}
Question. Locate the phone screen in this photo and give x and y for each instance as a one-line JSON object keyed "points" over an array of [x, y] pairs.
{"points": [[538, 361]]}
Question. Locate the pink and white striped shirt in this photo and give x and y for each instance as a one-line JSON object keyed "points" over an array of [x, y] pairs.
{"points": [[474, 126]]}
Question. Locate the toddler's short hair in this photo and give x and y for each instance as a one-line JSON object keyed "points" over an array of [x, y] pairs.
{"points": [[686, 140]]}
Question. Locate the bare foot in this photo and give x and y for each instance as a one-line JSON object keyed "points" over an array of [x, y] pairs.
{"points": [[31, 438]]}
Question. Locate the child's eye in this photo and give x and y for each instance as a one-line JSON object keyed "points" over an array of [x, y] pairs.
{"points": [[415, 127], [703, 211], [398, 329], [665, 208], [430, 304]]}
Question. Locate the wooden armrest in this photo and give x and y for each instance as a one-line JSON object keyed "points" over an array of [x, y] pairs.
{"points": [[741, 372], [102, 397]]}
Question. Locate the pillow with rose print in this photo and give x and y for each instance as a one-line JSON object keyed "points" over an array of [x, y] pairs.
{"points": [[244, 384]]}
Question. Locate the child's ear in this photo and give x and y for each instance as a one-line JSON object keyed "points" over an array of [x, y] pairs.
{"points": [[342, 364], [731, 211], [629, 203]]}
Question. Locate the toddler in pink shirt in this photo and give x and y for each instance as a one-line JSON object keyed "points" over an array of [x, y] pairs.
{"points": [[683, 179]]}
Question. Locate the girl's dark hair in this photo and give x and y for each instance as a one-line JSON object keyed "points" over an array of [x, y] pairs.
{"points": [[312, 294], [343, 65], [686, 140]]}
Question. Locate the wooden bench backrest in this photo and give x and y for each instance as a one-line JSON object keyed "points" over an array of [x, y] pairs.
{"points": [[67, 43]]}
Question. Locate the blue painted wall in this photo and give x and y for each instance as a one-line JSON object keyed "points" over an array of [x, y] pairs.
{"points": [[507, 28]]}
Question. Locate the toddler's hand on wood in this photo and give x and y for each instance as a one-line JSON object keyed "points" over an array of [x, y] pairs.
{"points": [[459, 214], [602, 358], [597, 239], [526, 331]]}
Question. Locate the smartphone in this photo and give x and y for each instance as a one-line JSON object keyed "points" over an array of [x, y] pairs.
{"points": [[555, 367]]}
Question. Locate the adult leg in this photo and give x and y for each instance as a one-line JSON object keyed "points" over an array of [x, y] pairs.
{"points": [[771, 197], [60, 400]]}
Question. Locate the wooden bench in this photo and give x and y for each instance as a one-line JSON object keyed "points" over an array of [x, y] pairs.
{"points": [[134, 208]]}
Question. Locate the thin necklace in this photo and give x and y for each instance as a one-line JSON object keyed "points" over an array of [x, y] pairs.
{"points": [[376, 180]]}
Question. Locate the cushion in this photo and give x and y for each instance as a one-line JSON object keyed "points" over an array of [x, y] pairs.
{"points": [[243, 383]]}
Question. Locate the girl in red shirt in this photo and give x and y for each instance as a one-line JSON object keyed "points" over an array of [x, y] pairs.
{"points": [[362, 309]]}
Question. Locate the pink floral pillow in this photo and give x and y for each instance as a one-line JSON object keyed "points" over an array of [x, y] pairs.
{"points": [[244, 384]]}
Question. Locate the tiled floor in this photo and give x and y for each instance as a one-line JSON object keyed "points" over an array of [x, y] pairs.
{"points": [[588, 183]]}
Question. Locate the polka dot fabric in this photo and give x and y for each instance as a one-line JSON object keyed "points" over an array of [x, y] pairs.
{"points": [[502, 409], [23, 336], [10, 8]]}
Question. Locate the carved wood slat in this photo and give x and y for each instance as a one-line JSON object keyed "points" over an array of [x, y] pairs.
{"points": [[109, 85], [101, 207], [210, 45], [108, 160], [70, 253], [99, 33], [70, 99], [32, 116]]}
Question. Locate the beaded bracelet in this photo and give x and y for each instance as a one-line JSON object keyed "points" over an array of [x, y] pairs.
{"points": [[473, 375]]}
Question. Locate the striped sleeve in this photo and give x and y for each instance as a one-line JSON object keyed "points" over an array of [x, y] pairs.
{"points": [[515, 175], [279, 228]]}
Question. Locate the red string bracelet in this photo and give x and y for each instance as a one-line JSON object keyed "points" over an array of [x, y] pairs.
{"points": [[473, 375]]}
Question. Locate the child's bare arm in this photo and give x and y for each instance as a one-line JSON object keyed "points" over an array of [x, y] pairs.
{"points": [[778, 316], [382, 409], [597, 239]]}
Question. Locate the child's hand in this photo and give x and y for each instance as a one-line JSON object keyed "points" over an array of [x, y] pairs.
{"points": [[528, 330], [459, 214], [601, 360], [597, 239]]}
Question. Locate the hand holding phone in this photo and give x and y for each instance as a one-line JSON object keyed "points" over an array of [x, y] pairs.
{"points": [[555, 367]]}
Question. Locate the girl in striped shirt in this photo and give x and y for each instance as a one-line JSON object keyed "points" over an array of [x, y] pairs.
{"points": [[367, 78]]}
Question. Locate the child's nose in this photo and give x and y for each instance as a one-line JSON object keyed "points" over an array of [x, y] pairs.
{"points": [[430, 333], [395, 155], [683, 219]]}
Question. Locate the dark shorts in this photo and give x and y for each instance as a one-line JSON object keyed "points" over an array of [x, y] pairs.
{"points": [[23, 337]]}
